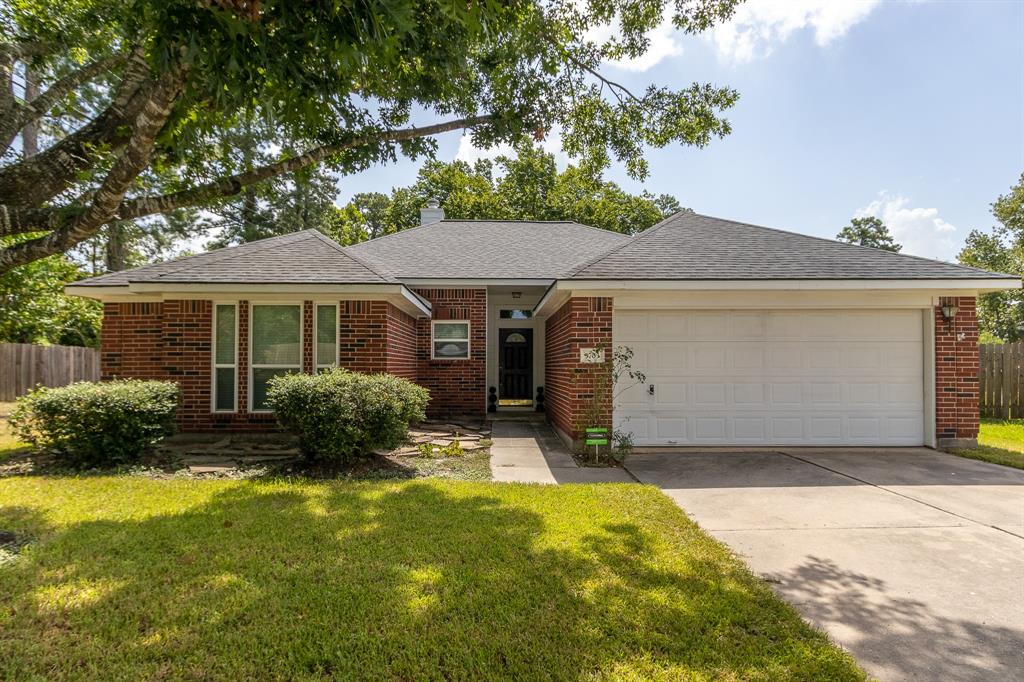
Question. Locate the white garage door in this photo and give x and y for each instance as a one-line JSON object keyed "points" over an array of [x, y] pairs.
{"points": [[773, 377]]}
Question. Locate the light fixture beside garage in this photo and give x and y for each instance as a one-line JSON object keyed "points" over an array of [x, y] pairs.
{"points": [[949, 310]]}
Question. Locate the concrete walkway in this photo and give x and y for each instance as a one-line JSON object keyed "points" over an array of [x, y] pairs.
{"points": [[911, 559], [530, 452]]}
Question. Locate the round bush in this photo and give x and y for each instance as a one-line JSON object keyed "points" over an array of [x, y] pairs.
{"points": [[339, 414], [97, 424]]}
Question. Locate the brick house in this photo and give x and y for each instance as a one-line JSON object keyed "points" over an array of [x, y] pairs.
{"points": [[747, 335]]}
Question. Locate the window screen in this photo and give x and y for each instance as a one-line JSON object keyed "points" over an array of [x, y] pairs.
{"points": [[326, 335], [276, 346], [225, 345], [451, 340]]}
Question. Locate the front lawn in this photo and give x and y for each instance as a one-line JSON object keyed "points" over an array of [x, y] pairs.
{"points": [[1000, 441], [9, 445], [130, 578]]}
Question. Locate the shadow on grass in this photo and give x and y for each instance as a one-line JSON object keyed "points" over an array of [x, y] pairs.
{"points": [[403, 581], [994, 455], [901, 636]]}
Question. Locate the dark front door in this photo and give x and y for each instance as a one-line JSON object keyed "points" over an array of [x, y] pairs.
{"points": [[515, 364]]}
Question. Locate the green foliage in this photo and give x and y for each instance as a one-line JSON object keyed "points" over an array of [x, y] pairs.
{"points": [[525, 187], [281, 205], [869, 231], [339, 415], [34, 308], [97, 424], [1001, 314], [453, 449]]}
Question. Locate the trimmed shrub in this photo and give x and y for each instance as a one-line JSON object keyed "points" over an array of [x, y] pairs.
{"points": [[339, 414], [97, 424]]}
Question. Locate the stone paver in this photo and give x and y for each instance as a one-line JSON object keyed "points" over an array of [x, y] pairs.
{"points": [[911, 559], [530, 452]]}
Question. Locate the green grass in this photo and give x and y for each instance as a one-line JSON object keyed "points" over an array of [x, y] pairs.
{"points": [[1000, 441], [132, 578], [9, 445]]}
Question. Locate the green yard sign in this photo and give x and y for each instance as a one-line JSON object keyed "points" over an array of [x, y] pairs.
{"points": [[596, 436]]}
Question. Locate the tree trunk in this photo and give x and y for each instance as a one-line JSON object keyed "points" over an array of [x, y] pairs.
{"points": [[250, 213], [115, 251], [30, 133]]}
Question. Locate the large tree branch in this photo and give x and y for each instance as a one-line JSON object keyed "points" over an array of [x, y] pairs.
{"points": [[59, 221], [132, 161], [231, 185], [36, 180], [37, 108], [9, 54]]}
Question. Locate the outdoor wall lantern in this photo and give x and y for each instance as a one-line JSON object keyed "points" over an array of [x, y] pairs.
{"points": [[949, 311]]}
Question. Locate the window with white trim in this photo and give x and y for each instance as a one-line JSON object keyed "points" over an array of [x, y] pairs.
{"points": [[275, 342], [225, 353], [450, 340], [326, 336]]}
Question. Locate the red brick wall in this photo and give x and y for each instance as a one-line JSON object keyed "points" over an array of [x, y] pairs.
{"points": [[131, 343], [457, 387], [362, 335], [308, 337], [568, 383], [173, 341], [402, 340], [956, 373]]}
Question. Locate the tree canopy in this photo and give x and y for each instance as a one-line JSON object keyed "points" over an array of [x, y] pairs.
{"points": [[34, 308], [1001, 314], [869, 231], [527, 186], [134, 105]]}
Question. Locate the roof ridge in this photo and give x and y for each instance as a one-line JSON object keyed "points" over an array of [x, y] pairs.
{"points": [[386, 276], [395, 233], [483, 220], [859, 246], [624, 244], [215, 257]]}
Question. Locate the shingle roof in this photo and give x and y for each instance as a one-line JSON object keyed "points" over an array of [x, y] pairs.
{"points": [[690, 246], [305, 257], [487, 249]]}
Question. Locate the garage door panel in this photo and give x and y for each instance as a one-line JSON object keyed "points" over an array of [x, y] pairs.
{"points": [[787, 395], [708, 357], [709, 395], [747, 326], [746, 356], [707, 325], [748, 395], [775, 377], [632, 325]]}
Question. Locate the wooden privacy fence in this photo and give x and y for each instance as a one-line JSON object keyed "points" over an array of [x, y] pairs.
{"points": [[1000, 390], [24, 366]]}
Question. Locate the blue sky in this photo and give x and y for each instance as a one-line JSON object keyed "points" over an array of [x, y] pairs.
{"points": [[910, 111]]}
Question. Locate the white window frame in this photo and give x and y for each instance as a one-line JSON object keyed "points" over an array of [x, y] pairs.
{"points": [[316, 335], [468, 340], [253, 366], [214, 365]]}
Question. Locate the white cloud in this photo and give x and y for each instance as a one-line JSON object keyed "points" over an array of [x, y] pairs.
{"points": [[664, 44], [471, 153], [921, 231], [759, 25]]}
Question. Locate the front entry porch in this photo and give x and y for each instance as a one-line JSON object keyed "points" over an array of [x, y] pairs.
{"points": [[515, 349]]}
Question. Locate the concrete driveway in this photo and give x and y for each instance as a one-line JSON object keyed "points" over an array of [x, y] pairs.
{"points": [[911, 559]]}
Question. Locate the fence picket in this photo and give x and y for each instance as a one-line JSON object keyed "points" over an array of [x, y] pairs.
{"points": [[23, 366], [1001, 380]]}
